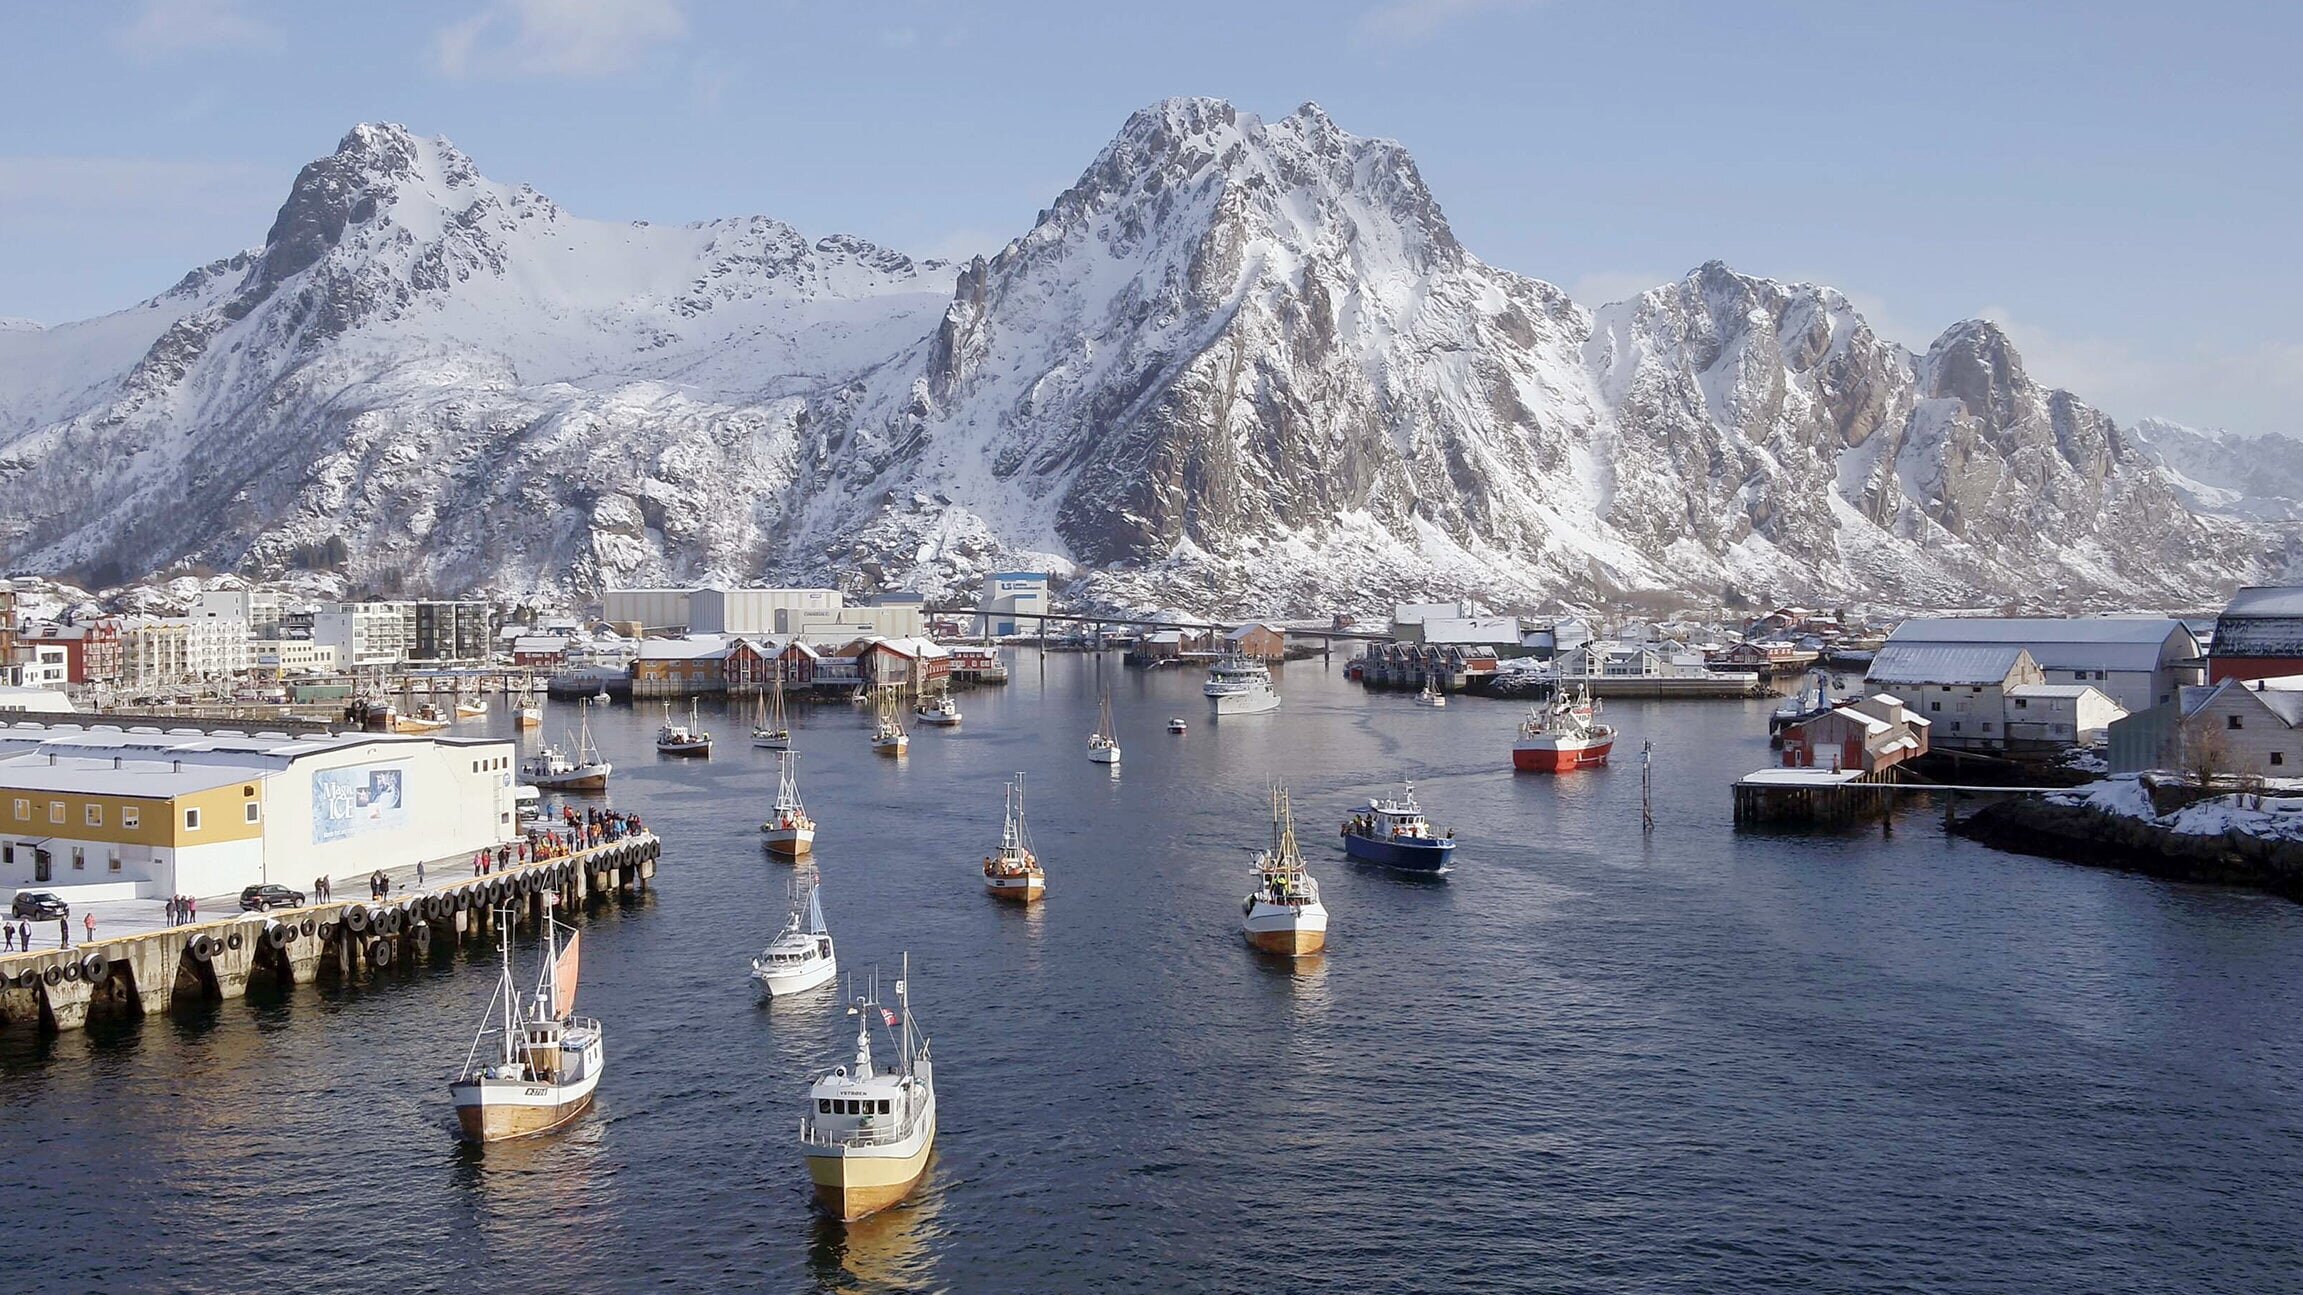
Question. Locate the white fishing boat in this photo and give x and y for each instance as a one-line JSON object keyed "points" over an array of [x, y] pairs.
{"points": [[537, 1069], [553, 769], [683, 739], [603, 698], [1431, 694], [1283, 913], [868, 1133], [788, 830], [1104, 743], [888, 735], [1014, 873], [772, 730], [1237, 685], [530, 715], [942, 711], [800, 957], [427, 718], [1177, 727], [477, 708]]}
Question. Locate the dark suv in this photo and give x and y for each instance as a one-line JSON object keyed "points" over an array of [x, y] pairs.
{"points": [[40, 905], [255, 899]]}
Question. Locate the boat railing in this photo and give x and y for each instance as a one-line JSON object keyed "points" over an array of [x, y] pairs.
{"points": [[896, 1129]]}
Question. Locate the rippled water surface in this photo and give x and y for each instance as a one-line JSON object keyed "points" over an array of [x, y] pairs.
{"points": [[1587, 1060]]}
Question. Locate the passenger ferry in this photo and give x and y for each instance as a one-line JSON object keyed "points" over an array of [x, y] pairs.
{"points": [[1014, 873], [1395, 834], [868, 1133], [788, 830], [545, 1061], [1283, 913], [1239, 686], [801, 956]]}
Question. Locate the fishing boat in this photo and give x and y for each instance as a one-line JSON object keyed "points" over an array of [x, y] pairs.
{"points": [[772, 730], [1014, 873], [1237, 685], [474, 709], [1562, 735], [553, 769], [868, 1133], [1283, 913], [1177, 726], [1431, 695], [536, 1070], [1104, 743], [888, 735], [942, 712], [683, 739], [426, 718], [800, 957], [603, 697], [1395, 834], [788, 830], [530, 716]]}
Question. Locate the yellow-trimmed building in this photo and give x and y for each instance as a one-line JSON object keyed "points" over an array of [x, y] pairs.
{"points": [[129, 813]]}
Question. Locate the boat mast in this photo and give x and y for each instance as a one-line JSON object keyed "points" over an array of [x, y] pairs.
{"points": [[511, 999], [904, 1006]]}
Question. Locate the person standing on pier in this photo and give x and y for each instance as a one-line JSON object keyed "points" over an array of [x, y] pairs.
{"points": [[7, 939], [63, 932], [24, 935], [89, 918], [419, 874]]}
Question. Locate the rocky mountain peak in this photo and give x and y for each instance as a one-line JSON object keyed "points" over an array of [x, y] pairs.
{"points": [[1974, 363]]}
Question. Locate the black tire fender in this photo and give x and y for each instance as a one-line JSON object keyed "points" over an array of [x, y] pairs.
{"points": [[202, 947], [379, 953]]}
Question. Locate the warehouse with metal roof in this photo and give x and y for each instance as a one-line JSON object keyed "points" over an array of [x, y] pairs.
{"points": [[2137, 661]]}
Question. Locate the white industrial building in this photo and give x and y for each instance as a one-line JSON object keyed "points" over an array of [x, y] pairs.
{"points": [[758, 611], [1012, 602], [1960, 689], [141, 813], [2137, 661], [2059, 715]]}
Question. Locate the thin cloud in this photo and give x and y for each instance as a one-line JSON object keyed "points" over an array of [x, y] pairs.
{"points": [[1408, 22], [2253, 388], [1606, 287], [580, 39], [162, 28]]}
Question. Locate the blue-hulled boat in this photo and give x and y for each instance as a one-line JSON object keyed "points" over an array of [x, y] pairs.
{"points": [[1395, 834]]}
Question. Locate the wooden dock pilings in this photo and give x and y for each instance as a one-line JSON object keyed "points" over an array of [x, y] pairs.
{"points": [[145, 973]]}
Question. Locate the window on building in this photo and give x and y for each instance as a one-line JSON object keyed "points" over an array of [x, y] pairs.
{"points": [[113, 863], [79, 857], [2232, 721], [23, 810], [131, 818], [1935, 705], [1987, 726], [2021, 704], [191, 820], [2278, 757], [1955, 726], [252, 811], [92, 815], [56, 807]]}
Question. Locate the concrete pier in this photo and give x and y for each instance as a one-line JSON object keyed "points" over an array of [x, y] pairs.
{"points": [[142, 973]]}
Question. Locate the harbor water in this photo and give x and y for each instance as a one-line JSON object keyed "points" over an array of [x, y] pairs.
{"points": [[1587, 1059]]}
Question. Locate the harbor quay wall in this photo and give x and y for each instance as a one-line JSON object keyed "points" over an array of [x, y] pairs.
{"points": [[145, 973], [2089, 835]]}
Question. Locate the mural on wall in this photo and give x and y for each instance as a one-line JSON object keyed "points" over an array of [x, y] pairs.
{"points": [[357, 801]]}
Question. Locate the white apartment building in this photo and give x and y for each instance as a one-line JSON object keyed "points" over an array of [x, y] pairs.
{"points": [[366, 634], [260, 608], [160, 651]]}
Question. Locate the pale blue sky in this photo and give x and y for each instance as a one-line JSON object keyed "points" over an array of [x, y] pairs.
{"points": [[2117, 183]]}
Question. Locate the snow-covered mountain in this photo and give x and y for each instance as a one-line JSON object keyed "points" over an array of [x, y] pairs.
{"points": [[2225, 473], [1239, 365]]}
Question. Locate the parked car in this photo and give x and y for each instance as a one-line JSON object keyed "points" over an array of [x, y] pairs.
{"points": [[40, 905], [255, 899]]}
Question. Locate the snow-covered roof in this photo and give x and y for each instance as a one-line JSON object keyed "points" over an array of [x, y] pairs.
{"points": [[1944, 663], [2263, 620], [540, 643], [687, 649], [1471, 629], [2062, 643]]}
